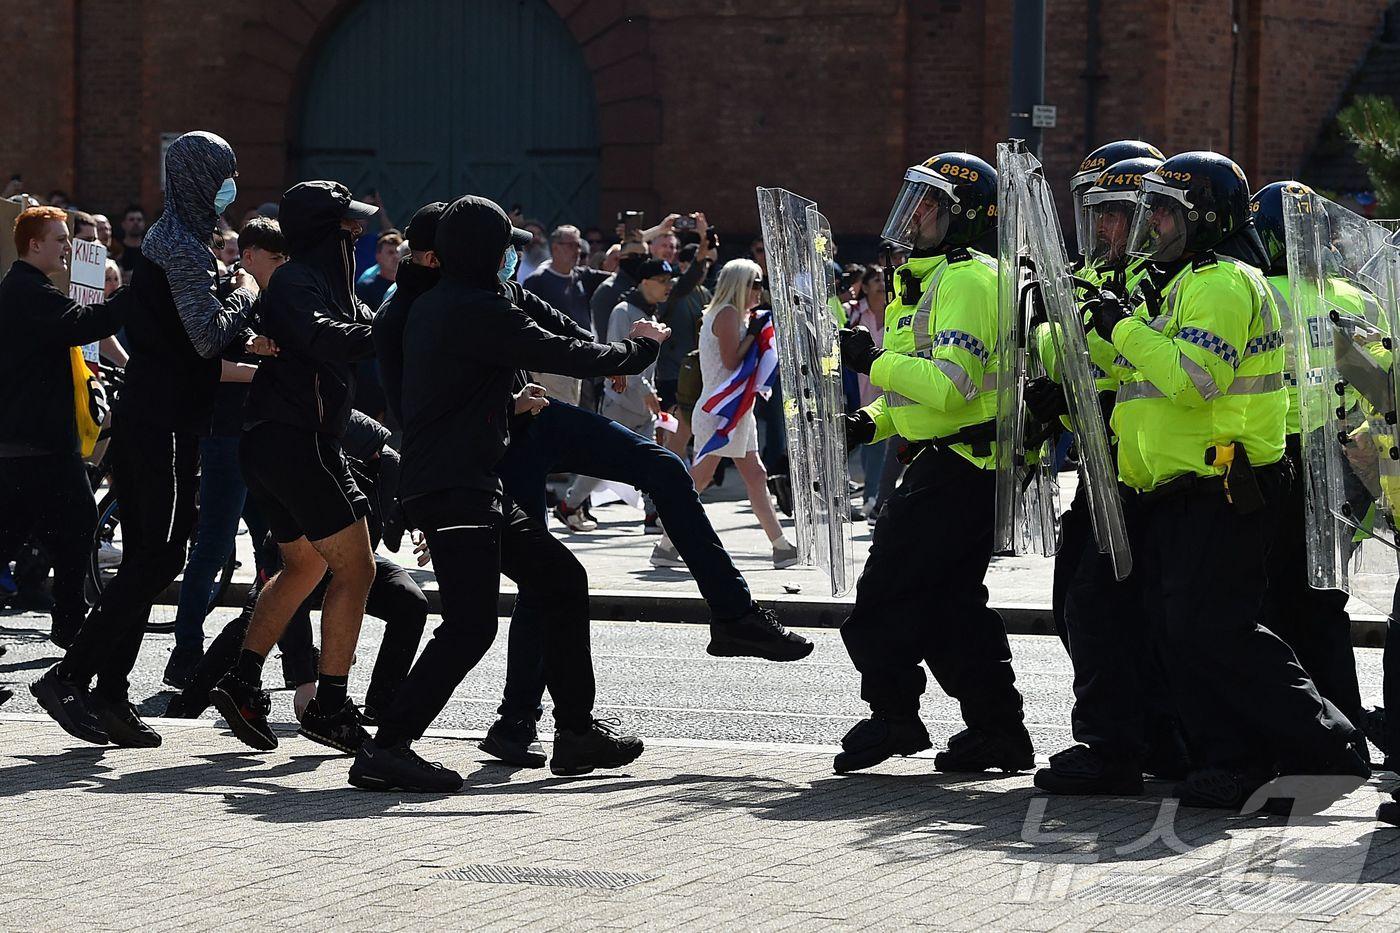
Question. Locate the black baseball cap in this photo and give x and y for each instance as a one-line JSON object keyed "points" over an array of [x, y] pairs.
{"points": [[655, 268], [520, 238], [422, 229]]}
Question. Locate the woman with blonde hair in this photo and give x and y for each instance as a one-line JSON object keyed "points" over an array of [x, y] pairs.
{"points": [[727, 331]]}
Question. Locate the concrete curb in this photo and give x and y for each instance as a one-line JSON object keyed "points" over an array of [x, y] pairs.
{"points": [[795, 611]]}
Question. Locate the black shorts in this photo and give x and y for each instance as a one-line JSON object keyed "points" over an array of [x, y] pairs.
{"points": [[300, 481]]}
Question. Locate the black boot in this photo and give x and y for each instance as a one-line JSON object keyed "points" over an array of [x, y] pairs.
{"points": [[975, 750], [1081, 770], [514, 741], [878, 738], [601, 745], [122, 725]]}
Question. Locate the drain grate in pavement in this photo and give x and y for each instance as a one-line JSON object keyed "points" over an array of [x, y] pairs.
{"points": [[594, 879], [1255, 897]]}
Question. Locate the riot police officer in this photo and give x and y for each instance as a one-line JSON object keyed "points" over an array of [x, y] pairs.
{"points": [[1200, 424], [1314, 622], [921, 596], [1093, 168]]}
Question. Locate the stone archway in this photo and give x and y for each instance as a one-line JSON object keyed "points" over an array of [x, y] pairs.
{"points": [[278, 48]]}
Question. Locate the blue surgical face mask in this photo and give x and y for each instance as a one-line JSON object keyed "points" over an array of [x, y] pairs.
{"points": [[227, 192], [512, 260]]}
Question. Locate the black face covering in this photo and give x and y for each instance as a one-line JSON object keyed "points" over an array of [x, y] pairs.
{"points": [[310, 217]]}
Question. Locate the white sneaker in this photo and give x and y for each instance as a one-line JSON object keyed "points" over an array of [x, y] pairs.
{"points": [[108, 555], [666, 555], [574, 519], [785, 554]]}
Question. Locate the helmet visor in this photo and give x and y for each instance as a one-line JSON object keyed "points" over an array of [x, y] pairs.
{"points": [[1159, 224], [921, 212], [1080, 185], [1105, 226]]}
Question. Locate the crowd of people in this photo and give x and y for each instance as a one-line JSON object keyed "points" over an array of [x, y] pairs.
{"points": [[335, 382]]}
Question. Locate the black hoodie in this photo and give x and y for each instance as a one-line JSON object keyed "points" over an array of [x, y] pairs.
{"points": [[412, 281], [464, 342], [310, 310]]}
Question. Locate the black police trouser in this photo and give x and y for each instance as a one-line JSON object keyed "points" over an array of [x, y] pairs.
{"points": [[1076, 536], [49, 499], [156, 473], [474, 538], [921, 597], [1121, 704], [1313, 622], [1202, 568]]}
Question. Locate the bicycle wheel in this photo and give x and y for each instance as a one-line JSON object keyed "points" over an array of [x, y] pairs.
{"points": [[108, 532]]}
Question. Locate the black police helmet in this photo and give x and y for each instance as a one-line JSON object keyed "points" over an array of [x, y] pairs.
{"points": [[1266, 208], [973, 211], [1114, 190], [1209, 195], [1101, 158]]}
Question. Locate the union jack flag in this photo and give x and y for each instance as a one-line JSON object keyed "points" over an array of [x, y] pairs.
{"points": [[734, 397]]}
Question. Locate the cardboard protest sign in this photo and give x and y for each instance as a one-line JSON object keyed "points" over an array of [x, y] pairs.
{"points": [[86, 272]]}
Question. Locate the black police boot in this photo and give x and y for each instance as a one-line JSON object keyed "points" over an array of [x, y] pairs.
{"points": [[514, 741], [878, 738], [398, 767], [1219, 788], [1390, 812], [601, 745], [1312, 787], [244, 707], [974, 750], [1081, 770], [756, 634], [70, 705], [183, 661], [122, 725], [341, 729]]}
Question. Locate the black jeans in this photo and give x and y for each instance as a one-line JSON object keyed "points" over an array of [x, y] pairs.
{"points": [[1313, 622], [1237, 686], [921, 597], [564, 437], [48, 498], [474, 538], [156, 473]]}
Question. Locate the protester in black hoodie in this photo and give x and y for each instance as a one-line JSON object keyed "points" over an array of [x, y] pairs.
{"points": [[464, 342], [292, 458], [176, 329], [44, 488]]}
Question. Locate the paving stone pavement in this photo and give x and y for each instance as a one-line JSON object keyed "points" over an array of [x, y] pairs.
{"points": [[202, 833]]}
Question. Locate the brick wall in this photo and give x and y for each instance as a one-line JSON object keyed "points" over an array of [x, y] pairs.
{"points": [[702, 100]]}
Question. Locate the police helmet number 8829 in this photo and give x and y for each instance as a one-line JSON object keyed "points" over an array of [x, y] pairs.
{"points": [[959, 171]]}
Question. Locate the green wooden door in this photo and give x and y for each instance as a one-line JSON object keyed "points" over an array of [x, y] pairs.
{"points": [[427, 100]]}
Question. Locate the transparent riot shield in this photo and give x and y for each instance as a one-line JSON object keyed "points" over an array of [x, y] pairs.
{"points": [[1344, 284], [1039, 249], [1027, 489], [800, 249]]}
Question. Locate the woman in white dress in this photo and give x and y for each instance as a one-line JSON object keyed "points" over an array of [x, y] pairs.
{"points": [[725, 338]]}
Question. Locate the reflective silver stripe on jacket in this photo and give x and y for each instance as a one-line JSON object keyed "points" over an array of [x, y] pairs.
{"points": [[1243, 385], [924, 344], [989, 384]]}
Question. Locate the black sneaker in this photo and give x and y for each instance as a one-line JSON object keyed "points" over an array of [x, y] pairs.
{"points": [[975, 750], [1081, 770], [757, 634], [183, 705], [398, 767], [879, 738], [602, 745], [514, 741], [70, 706], [340, 730], [122, 725], [244, 707], [181, 666]]}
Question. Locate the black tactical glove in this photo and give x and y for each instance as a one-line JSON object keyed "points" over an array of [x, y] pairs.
{"points": [[860, 429], [858, 350], [1107, 310], [1045, 399]]}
